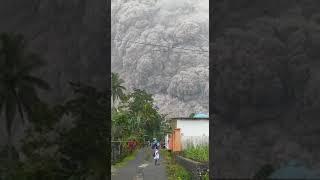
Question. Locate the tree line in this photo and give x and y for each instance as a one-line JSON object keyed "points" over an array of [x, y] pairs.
{"points": [[134, 114]]}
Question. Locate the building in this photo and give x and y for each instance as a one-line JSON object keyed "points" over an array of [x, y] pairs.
{"points": [[187, 131]]}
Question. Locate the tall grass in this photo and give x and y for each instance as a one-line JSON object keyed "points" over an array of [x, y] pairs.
{"points": [[198, 153], [175, 171]]}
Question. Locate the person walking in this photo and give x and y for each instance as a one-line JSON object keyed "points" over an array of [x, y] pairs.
{"points": [[156, 156]]}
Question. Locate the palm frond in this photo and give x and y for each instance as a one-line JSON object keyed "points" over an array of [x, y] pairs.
{"points": [[32, 62], [37, 82], [28, 96], [20, 106], [122, 87]]}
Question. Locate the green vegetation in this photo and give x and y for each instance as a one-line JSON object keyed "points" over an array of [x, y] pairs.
{"points": [[116, 87], [205, 177], [18, 85], [63, 141], [128, 158], [198, 153], [175, 171], [55, 151], [191, 115], [264, 172], [135, 116]]}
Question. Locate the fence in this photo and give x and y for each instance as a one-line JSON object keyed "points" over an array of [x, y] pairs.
{"points": [[193, 141]]}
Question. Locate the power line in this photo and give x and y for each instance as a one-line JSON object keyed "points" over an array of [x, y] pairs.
{"points": [[173, 47], [178, 52], [206, 55]]}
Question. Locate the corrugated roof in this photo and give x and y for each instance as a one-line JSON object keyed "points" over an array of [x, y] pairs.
{"points": [[188, 118], [201, 115]]}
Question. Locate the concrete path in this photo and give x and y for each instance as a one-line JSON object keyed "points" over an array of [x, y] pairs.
{"points": [[142, 168]]}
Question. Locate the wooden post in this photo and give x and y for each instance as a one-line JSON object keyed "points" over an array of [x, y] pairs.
{"points": [[176, 143]]}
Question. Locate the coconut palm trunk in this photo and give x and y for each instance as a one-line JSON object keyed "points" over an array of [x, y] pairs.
{"points": [[10, 153]]}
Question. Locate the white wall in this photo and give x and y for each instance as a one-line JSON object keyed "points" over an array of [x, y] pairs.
{"points": [[187, 141], [193, 132], [193, 127]]}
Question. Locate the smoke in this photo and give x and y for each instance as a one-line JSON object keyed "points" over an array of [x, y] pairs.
{"points": [[177, 72]]}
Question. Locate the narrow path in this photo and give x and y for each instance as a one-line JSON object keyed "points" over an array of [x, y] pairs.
{"points": [[153, 172], [142, 168]]}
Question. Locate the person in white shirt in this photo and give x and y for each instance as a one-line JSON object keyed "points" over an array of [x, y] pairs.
{"points": [[156, 156]]}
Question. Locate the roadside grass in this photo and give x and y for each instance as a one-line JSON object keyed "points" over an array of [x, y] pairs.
{"points": [[128, 158], [174, 170]]}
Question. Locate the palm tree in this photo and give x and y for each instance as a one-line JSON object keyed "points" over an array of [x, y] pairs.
{"points": [[117, 88], [88, 107], [18, 87]]}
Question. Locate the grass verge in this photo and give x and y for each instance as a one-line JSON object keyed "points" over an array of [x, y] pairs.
{"points": [[174, 171], [128, 158]]}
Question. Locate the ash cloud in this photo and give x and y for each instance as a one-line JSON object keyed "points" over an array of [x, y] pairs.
{"points": [[178, 78]]}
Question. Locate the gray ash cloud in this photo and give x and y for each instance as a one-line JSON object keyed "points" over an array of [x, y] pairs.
{"points": [[178, 78]]}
